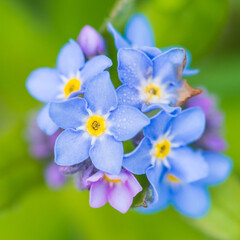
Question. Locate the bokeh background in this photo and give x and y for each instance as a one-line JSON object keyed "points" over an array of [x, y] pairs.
{"points": [[31, 34]]}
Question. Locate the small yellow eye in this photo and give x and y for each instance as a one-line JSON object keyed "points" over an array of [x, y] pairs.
{"points": [[152, 90], [173, 179], [96, 125], [162, 149], [111, 180], [73, 85]]}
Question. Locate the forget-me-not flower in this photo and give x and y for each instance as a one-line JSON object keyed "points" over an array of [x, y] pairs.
{"points": [[139, 34], [95, 126], [165, 146], [119, 190], [153, 83], [190, 199], [69, 78]]}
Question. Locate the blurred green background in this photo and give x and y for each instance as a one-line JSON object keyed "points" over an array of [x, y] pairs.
{"points": [[31, 34]]}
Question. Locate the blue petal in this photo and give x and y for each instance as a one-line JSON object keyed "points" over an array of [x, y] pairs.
{"points": [[120, 42], [151, 52], [129, 96], [72, 147], [154, 176], [162, 203], [140, 159], [100, 94], [220, 167], [133, 66], [126, 121], [45, 123], [93, 67], [168, 66], [70, 58], [191, 200], [187, 71], [158, 125], [44, 84], [172, 111], [107, 154], [69, 114], [187, 165], [139, 31], [188, 126]]}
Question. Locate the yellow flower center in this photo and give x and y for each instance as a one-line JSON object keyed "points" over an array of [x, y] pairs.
{"points": [[111, 180], [173, 179], [152, 90], [73, 85], [162, 149], [96, 125]]}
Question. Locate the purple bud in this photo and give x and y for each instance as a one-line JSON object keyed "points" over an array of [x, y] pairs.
{"points": [[54, 178], [91, 42]]}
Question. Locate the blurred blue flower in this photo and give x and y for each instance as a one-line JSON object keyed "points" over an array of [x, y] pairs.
{"points": [[91, 42], [153, 84], [70, 78], [190, 199], [165, 145], [95, 126], [139, 34]]}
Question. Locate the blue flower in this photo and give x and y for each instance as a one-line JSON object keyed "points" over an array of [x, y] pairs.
{"points": [[191, 199], [153, 83], [139, 35], [165, 146], [70, 78], [95, 126]]}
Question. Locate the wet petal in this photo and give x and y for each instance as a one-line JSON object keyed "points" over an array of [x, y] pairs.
{"points": [[69, 114], [158, 125], [168, 66], [126, 121], [129, 96], [105, 158], [101, 95], [134, 66]]}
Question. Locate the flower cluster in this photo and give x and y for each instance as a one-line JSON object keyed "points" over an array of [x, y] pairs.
{"points": [[170, 124]]}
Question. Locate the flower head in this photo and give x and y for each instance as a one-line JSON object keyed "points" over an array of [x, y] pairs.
{"points": [[165, 146], [70, 78], [118, 190], [95, 127], [139, 35], [153, 83], [91, 42], [190, 199]]}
